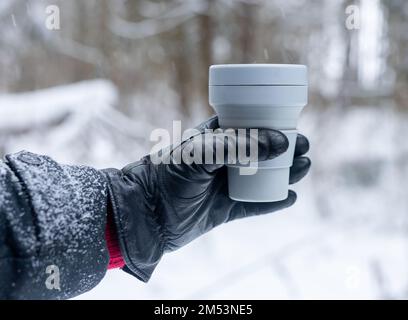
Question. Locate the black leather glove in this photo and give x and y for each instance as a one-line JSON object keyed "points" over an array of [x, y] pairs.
{"points": [[159, 208]]}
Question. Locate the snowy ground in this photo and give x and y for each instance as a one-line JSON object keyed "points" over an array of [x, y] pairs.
{"points": [[345, 238], [281, 256]]}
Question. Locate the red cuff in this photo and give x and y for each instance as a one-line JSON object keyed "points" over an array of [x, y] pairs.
{"points": [[115, 256]]}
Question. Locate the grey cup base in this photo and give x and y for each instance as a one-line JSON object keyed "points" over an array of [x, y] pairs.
{"points": [[266, 185]]}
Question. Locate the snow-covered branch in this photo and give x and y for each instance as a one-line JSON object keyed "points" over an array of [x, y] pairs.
{"points": [[166, 21], [77, 50], [23, 111]]}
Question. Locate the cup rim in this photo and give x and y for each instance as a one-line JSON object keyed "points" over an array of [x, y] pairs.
{"points": [[258, 75]]}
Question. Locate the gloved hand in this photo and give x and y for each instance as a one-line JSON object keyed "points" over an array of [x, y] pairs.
{"points": [[159, 208]]}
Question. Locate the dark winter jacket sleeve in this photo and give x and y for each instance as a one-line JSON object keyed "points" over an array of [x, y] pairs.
{"points": [[52, 225]]}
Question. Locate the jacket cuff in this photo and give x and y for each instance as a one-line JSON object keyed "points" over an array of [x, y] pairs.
{"points": [[136, 244]]}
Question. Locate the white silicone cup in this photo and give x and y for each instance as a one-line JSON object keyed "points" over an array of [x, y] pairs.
{"points": [[265, 181], [260, 96]]}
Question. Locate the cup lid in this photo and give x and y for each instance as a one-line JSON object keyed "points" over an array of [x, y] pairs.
{"points": [[258, 74]]}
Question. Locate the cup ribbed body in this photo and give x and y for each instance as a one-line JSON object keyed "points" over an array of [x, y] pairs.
{"points": [[259, 105]]}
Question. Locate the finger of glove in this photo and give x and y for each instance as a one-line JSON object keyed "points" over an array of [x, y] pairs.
{"points": [[227, 147], [248, 209], [302, 145], [299, 169]]}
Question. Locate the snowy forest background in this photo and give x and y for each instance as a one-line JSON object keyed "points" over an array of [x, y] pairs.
{"points": [[92, 91]]}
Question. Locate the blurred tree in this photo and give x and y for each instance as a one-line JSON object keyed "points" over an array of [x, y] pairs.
{"points": [[181, 68], [397, 19], [246, 22], [349, 72], [206, 27], [139, 43]]}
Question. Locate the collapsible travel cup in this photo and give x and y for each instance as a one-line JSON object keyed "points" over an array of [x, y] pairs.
{"points": [[260, 96]]}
